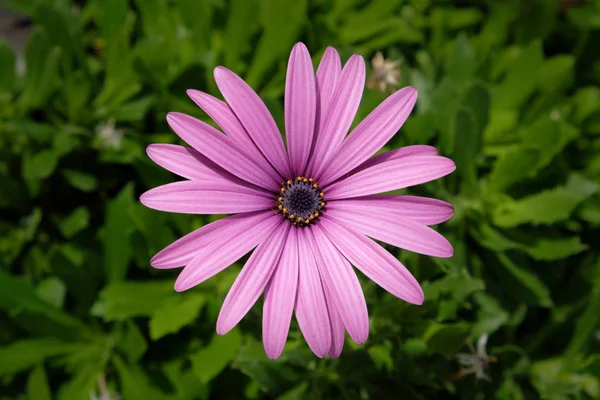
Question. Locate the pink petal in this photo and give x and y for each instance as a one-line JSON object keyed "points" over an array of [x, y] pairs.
{"points": [[188, 163], [280, 297], [224, 251], [391, 175], [337, 275], [371, 134], [205, 197], [255, 117], [300, 107], [183, 250], [221, 150], [395, 230], [374, 261], [340, 112], [311, 309], [338, 333], [407, 151], [224, 116], [252, 280], [328, 73], [421, 209]]}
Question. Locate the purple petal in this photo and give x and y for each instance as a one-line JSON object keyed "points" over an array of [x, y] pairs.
{"points": [[371, 134], [327, 77], [421, 209], [224, 116], [183, 250], [374, 261], [255, 117], [340, 112], [221, 150], [224, 251], [395, 230], [407, 151], [188, 163], [343, 285], [201, 197], [300, 107], [311, 309], [252, 280], [391, 175], [280, 297], [338, 332]]}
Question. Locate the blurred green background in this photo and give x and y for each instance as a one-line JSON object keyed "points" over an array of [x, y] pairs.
{"points": [[508, 89]]}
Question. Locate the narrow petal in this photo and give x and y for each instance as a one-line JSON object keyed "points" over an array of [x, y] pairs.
{"points": [[391, 175], [374, 261], [224, 116], [221, 150], [224, 251], [280, 297], [338, 332], [395, 230], [421, 209], [340, 113], [300, 107], [337, 275], [188, 163], [252, 280], [202, 197], [402, 152], [311, 309], [183, 250], [328, 73], [256, 118], [371, 134]]}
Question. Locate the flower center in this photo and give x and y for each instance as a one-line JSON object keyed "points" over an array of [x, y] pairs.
{"points": [[301, 201]]}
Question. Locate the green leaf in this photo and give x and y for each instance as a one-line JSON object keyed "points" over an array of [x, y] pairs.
{"points": [[174, 314], [7, 68], [521, 79], [123, 300], [466, 149], [589, 320], [545, 207], [53, 291], [135, 384], [75, 222], [555, 249], [220, 351], [24, 354], [42, 62], [37, 385], [446, 339], [556, 73], [116, 234], [132, 341], [524, 284], [81, 180], [39, 165], [17, 294], [460, 65], [282, 21]]}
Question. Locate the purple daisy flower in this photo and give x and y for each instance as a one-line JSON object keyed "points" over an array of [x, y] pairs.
{"points": [[310, 211]]}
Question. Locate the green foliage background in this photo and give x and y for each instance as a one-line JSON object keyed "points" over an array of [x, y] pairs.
{"points": [[508, 89]]}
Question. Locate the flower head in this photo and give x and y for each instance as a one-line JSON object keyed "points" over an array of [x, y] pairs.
{"points": [[385, 73], [108, 135], [308, 210], [477, 361]]}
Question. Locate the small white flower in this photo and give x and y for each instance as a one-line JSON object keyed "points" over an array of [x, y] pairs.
{"points": [[109, 136], [385, 73], [477, 361]]}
